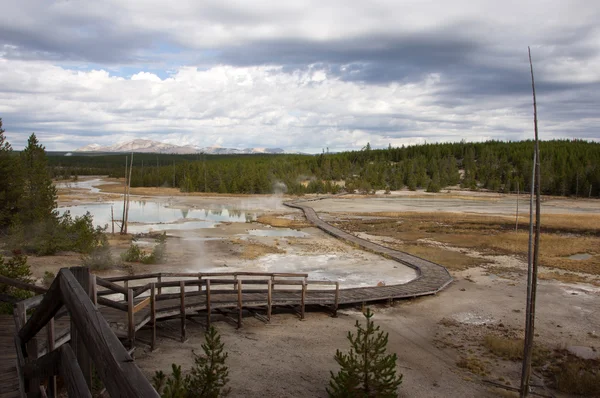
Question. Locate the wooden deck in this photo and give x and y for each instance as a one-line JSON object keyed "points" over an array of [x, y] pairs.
{"points": [[9, 379]]}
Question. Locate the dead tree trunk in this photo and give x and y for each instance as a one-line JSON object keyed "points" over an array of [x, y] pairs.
{"points": [[533, 258]]}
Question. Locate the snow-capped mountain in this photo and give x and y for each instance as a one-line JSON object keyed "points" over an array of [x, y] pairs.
{"points": [[149, 146]]}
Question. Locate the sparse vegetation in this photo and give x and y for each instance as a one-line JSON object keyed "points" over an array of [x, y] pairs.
{"points": [[562, 236], [576, 376], [367, 370], [48, 278], [100, 258], [473, 365], [134, 254], [512, 349], [251, 250]]}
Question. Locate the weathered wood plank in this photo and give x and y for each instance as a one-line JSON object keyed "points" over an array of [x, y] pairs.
{"points": [[116, 369], [82, 275], [71, 374], [141, 305]]}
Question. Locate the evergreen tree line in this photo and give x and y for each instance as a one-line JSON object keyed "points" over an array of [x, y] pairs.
{"points": [[569, 168]]}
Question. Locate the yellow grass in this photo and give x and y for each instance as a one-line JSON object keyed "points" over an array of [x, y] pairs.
{"points": [[252, 250], [275, 220], [512, 349], [450, 259], [473, 365], [562, 235], [568, 277]]}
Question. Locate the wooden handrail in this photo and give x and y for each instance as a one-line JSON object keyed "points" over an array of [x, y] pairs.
{"points": [[111, 286], [113, 364], [203, 275], [22, 285]]}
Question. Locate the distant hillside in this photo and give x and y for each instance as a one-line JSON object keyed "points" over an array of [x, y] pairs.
{"points": [[149, 146]]}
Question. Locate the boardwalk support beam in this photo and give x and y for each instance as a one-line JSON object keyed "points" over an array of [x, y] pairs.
{"points": [[182, 309]]}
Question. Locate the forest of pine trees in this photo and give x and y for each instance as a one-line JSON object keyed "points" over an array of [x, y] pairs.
{"points": [[569, 168]]}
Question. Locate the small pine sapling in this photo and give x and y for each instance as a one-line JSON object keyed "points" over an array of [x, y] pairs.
{"points": [[366, 370], [210, 375]]}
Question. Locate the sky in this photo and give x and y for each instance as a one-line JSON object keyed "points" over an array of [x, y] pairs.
{"points": [[303, 75]]}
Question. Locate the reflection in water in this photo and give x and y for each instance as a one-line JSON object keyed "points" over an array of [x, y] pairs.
{"points": [[281, 232], [84, 184], [146, 215], [184, 213]]}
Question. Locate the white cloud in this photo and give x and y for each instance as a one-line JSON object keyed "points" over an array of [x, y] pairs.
{"points": [[299, 98], [243, 107]]}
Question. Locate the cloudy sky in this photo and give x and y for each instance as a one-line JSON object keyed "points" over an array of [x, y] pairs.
{"points": [[300, 75]]}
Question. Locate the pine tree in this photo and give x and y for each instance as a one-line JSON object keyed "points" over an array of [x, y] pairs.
{"points": [[366, 370], [209, 376], [38, 201], [10, 183], [18, 269]]}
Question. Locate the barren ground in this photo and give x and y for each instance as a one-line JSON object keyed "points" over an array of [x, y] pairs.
{"points": [[431, 335]]}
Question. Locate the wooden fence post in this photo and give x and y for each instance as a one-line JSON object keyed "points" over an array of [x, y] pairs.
{"points": [[82, 275], [159, 282], [94, 290], [126, 285], [337, 299], [182, 309], [269, 298], [199, 284], [130, 319], [153, 316], [51, 345], [303, 299], [239, 297], [208, 309], [33, 384]]}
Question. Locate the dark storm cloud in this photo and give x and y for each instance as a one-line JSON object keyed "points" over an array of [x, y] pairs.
{"points": [[371, 59]]}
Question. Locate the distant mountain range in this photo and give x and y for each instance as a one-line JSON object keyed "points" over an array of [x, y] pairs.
{"points": [[149, 146]]}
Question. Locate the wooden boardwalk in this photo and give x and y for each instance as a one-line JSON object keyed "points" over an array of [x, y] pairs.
{"points": [[9, 379], [431, 277]]}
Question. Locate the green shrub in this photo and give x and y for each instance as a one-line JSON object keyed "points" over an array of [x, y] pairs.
{"points": [[48, 278], [18, 269], [100, 258], [133, 255], [56, 234]]}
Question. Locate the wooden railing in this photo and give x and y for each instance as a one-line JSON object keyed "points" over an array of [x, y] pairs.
{"points": [[232, 284], [92, 342]]}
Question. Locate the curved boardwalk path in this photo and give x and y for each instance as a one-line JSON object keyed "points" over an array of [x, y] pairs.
{"points": [[431, 277]]}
